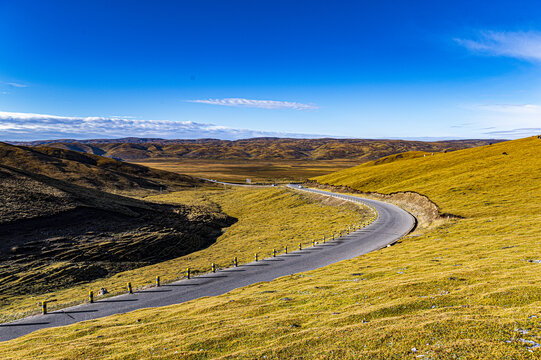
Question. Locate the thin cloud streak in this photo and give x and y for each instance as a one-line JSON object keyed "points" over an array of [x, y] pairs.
{"points": [[261, 104], [17, 85], [511, 108], [523, 119], [515, 132], [519, 45], [27, 126]]}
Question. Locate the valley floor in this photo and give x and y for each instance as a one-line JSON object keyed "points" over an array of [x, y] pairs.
{"points": [[279, 171]]}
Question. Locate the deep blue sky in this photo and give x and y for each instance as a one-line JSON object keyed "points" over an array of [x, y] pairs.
{"points": [[370, 69]]}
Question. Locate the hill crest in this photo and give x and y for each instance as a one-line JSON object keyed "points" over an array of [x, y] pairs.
{"points": [[255, 149]]}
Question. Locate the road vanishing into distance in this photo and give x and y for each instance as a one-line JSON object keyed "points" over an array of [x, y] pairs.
{"points": [[390, 225], [236, 184]]}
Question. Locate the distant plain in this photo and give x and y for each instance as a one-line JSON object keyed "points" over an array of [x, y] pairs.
{"points": [[265, 171]]}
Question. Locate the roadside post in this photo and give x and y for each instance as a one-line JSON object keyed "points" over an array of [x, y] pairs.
{"points": [[187, 273], [91, 296], [157, 281], [213, 267], [235, 262], [130, 290], [44, 306]]}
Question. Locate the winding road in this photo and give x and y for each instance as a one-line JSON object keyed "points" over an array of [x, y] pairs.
{"points": [[390, 225]]}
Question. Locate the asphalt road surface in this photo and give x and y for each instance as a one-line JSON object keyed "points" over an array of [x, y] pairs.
{"points": [[236, 184], [391, 224]]}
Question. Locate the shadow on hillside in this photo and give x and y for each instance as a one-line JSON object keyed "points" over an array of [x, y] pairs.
{"points": [[99, 235]]}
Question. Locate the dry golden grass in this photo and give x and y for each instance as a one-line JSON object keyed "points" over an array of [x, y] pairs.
{"points": [[283, 171], [267, 219], [467, 289]]}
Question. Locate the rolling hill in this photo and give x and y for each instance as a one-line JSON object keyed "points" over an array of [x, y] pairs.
{"points": [[467, 183], [59, 228], [465, 287], [92, 171], [362, 150]]}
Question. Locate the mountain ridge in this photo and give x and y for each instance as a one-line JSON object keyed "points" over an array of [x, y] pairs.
{"points": [[265, 148], [93, 171]]}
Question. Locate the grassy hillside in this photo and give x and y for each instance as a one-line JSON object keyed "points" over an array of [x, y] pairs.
{"points": [[92, 171], [54, 234], [266, 219], [483, 181], [259, 159], [258, 148], [467, 289], [59, 226]]}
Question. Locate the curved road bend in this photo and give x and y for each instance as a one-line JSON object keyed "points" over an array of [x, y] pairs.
{"points": [[392, 223]]}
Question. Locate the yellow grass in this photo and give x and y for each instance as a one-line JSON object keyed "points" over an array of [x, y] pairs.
{"points": [[280, 171], [267, 219], [467, 289]]}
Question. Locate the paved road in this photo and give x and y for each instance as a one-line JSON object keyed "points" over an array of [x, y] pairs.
{"points": [[391, 224], [235, 184]]}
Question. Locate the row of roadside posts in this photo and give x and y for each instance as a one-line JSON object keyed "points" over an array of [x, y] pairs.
{"points": [[188, 273]]}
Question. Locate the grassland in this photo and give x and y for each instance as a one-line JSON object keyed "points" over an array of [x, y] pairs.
{"points": [[467, 289], [267, 219], [264, 171]]}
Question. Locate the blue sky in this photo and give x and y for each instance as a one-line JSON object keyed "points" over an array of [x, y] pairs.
{"points": [[234, 69]]}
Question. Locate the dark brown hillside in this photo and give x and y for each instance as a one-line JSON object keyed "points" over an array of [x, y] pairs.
{"points": [[55, 234], [91, 170], [361, 150]]}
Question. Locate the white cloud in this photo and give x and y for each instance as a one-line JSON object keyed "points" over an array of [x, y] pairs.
{"points": [[17, 85], [515, 133], [511, 108], [28, 126], [506, 120], [262, 104], [520, 45]]}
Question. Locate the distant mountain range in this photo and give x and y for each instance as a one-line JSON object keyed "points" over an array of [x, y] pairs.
{"points": [[130, 149]]}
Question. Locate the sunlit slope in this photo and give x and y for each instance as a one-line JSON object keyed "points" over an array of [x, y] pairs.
{"points": [[266, 219], [475, 182], [468, 289]]}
